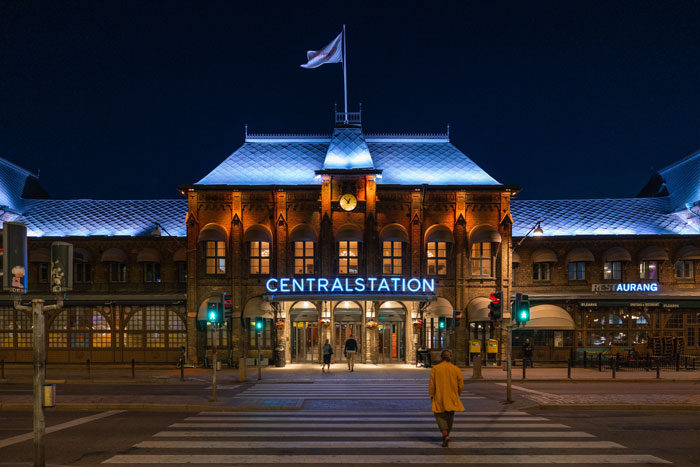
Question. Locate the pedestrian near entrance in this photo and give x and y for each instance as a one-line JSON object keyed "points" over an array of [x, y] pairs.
{"points": [[446, 384], [350, 351], [527, 353], [327, 352]]}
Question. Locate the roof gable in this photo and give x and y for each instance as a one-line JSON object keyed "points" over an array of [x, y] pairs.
{"points": [[348, 150]]}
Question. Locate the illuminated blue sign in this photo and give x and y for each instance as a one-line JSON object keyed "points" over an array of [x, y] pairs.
{"points": [[627, 287], [390, 285]]}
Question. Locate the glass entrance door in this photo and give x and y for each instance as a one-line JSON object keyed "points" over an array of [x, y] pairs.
{"points": [[392, 346], [304, 341], [342, 332]]}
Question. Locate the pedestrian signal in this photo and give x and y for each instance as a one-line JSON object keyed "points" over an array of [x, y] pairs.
{"points": [[442, 323], [259, 324], [215, 313], [522, 308]]}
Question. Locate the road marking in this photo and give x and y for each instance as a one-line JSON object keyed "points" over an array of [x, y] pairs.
{"points": [[347, 397], [363, 414], [244, 459], [372, 434], [520, 388], [365, 425], [54, 428], [359, 419], [180, 444]]}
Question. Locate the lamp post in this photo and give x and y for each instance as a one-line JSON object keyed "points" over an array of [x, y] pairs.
{"points": [[537, 231]]}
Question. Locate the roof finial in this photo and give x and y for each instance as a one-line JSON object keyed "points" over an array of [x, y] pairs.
{"points": [[246, 131], [448, 131]]}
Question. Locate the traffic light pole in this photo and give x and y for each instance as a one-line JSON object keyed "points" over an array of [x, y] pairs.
{"points": [[38, 322], [214, 360], [257, 338], [509, 362]]}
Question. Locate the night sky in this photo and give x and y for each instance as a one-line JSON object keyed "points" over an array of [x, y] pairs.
{"points": [[129, 99]]}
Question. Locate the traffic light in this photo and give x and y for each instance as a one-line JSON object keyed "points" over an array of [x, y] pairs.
{"points": [[14, 258], [442, 323], [215, 313], [522, 308], [495, 307], [259, 324]]}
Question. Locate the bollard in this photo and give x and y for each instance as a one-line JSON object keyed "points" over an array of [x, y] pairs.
{"points": [[585, 361], [133, 368], [613, 364], [476, 368], [524, 368], [568, 369], [686, 362], [648, 361], [600, 361], [658, 368], [2, 366], [88, 367], [182, 369], [242, 370]]}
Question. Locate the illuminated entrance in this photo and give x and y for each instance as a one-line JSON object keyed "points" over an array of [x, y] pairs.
{"points": [[348, 322], [304, 334], [392, 332]]}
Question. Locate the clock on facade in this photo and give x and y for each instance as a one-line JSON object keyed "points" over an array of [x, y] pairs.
{"points": [[348, 202]]}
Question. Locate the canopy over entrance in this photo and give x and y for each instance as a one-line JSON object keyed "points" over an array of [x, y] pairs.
{"points": [[478, 309], [348, 312], [440, 307], [304, 311], [550, 317]]}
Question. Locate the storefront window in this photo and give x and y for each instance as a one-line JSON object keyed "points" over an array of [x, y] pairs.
{"points": [[259, 258], [577, 271], [541, 272], [303, 258], [392, 261], [348, 254], [612, 270], [482, 261], [649, 270], [215, 257], [437, 258], [684, 269]]}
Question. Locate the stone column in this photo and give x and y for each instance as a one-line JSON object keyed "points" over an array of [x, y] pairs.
{"points": [[410, 345]]}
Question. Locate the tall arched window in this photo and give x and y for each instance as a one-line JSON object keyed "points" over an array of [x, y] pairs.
{"points": [[213, 239], [116, 260], [438, 242], [393, 240], [484, 240], [303, 241], [349, 240], [258, 240]]}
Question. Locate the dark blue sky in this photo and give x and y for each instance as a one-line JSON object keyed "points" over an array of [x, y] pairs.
{"points": [[568, 99]]}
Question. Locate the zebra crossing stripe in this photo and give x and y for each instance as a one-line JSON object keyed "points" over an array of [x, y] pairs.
{"points": [[363, 425], [365, 415], [372, 434], [238, 459], [182, 444], [356, 419]]}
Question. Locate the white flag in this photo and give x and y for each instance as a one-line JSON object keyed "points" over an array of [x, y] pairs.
{"points": [[332, 53]]}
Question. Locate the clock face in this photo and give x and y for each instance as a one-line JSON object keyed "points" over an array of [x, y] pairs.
{"points": [[348, 202]]}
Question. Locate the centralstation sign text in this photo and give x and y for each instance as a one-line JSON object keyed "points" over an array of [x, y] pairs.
{"points": [[345, 285]]}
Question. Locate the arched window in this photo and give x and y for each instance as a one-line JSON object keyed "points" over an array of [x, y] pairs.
{"points": [[258, 239], [484, 240], [150, 260], [393, 239], [116, 260], [349, 240], [303, 241], [438, 242], [213, 238], [82, 266]]}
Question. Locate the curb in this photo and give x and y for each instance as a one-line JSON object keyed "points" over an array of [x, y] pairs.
{"points": [[149, 407], [573, 380], [613, 407]]}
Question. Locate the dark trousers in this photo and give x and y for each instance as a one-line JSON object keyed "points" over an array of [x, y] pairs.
{"points": [[445, 420], [527, 361]]}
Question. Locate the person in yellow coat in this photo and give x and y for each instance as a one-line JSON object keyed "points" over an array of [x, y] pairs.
{"points": [[446, 384]]}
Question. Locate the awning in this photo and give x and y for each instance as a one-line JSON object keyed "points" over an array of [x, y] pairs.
{"points": [[39, 255], [148, 255], [478, 309], [394, 233], [302, 233], [439, 233], [653, 253], [440, 307], [515, 258], [484, 234], [689, 252], [580, 255], [256, 233], [550, 317], [212, 233], [258, 307], [544, 255], [616, 253], [114, 255], [180, 255], [349, 233]]}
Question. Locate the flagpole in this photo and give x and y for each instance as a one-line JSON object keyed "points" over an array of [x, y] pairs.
{"points": [[345, 77]]}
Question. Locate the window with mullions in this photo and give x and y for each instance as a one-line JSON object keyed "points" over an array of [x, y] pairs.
{"points": [[392, 258], [482, 260], [215, 257], [612, 270], [649, 270], [181, 272], [348, 257], [684, 269], [436, 253], [259, 258], [541, 272], [151, 272], [82, 272], [577, 271], [117, 272], [303, 258]]}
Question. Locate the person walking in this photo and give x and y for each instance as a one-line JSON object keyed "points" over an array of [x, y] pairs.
{"points": [[350, 351], [527, 353], [327, 352], [446, 384]]}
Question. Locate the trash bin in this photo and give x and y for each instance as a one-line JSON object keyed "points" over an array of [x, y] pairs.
{"points": [[279, 357]]}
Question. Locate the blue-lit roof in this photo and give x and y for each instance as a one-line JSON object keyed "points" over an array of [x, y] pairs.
{"points": [[86, 217], [406, 160], [12, 181], [682, 181], [348, 150], [627, 216]]}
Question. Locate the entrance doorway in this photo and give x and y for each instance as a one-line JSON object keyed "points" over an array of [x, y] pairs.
{"points": [[392, 332], [304, 333], [348, 323]]}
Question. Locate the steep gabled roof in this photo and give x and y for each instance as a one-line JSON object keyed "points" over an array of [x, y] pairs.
{"points": [[682, 181], [13, 180], [627, 216]]}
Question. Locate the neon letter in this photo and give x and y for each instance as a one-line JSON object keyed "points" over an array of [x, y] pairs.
{"points": [[323, 285], [413, 289], [383, 285], [297, 284], [269, 286], [284, 285], [371, 280], [359, 284], [429, 285], [337, 285]]}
